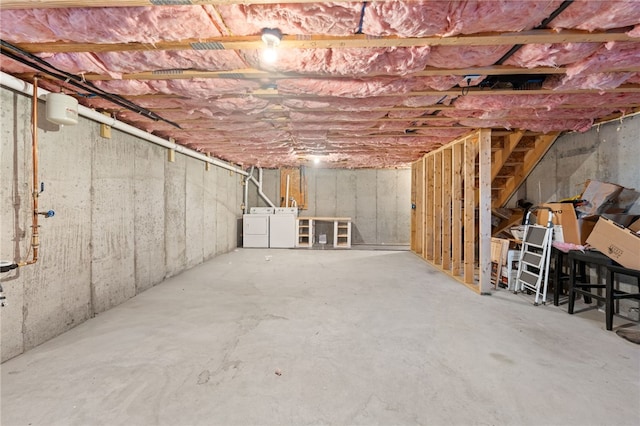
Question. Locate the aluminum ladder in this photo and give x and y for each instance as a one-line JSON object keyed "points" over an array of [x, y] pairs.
{"points": [[533, 268]]}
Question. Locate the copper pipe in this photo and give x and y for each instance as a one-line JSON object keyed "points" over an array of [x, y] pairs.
{"points": [[35, 241]]}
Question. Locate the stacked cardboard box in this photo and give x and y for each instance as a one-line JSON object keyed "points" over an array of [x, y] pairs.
{"points": [[599, 199]]}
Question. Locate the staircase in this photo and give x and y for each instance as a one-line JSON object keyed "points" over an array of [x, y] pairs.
{"points": [[514, 154]]}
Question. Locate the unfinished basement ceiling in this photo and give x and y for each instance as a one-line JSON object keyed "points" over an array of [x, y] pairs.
{"points": [[360, 84]]}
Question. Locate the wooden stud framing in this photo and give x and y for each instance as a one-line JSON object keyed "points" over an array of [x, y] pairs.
{"points": [[456, 209], [414, 207], [437, 208], [418, 212], [447, 202], [429, 219], [484, 229], [456, 239], [423, 226], [469, 216]]}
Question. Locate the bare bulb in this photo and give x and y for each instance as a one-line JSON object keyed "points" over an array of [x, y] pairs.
{"points": [[269, 55], [316, 160]]}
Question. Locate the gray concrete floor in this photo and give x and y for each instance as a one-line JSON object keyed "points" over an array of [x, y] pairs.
{"points": [[357, 337]]}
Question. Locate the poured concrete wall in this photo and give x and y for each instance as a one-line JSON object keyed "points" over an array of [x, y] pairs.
{"points": [[607, 153], [125, 220], [378, 201]]}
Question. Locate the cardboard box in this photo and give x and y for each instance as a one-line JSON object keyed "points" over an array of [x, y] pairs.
{"points": [[619, 243], [621, 219], [598, 196], [574, 230], [635, 226]]}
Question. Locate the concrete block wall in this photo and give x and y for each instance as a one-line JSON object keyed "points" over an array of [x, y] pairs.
{"points": [[378, 201], [126, 219]]}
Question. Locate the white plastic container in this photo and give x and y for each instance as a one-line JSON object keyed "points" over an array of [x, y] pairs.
{"points": [[62, 109]]}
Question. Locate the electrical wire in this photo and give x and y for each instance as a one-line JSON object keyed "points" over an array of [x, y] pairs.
{"points": [[43, 66]]}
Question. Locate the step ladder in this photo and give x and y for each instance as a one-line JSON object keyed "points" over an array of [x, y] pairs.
{"points": [[533, 269]]}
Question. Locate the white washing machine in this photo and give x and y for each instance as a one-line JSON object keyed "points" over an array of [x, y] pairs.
{"points": [[282, 227]]}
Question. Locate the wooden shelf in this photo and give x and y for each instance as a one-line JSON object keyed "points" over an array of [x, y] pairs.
{"points": [[341, 231]]}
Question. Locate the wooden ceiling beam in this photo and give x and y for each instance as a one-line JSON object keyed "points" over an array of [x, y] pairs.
{"points": [[52, 4], [326, 42], [472, 91], [259, 74]]}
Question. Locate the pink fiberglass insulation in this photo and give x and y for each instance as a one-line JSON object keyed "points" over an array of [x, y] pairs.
{"points": [[348, 88], [153, 60], [204, 88], [10, 66], [478, 16], [178, 115], [107, 24], [238, 126], [531, 113], [343, 104], [78, 63], [126, 87], [337, 116], [499, 102], [347, 62], [602, 99], [551, 55], [194, 88], [96, 103], [421, 101], [212, 107], [616, 55], [331, 126], [597, 81], [435, 82], [465, 56], [304, 18], [635, 32], [471, 113], [594, 15], [544, 126], [408, 113], [634, 79], [450, 134], [427, 18], [408, 19]]}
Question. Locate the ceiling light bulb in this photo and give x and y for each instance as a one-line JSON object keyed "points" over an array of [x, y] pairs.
{"points": [[316, 160], [271, 38], [269, 55]]}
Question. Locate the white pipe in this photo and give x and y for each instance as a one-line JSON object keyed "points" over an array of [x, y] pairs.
{"points": [[286, 198], [259, 185], [26, 88], [246, 190]]}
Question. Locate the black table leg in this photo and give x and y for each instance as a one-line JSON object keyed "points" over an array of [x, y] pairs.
{"points": [[557, 283], [572, 281], [608, 307]]}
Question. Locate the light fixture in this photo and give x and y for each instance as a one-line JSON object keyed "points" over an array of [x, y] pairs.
{"points": [[316, 160], [271, 38]]}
